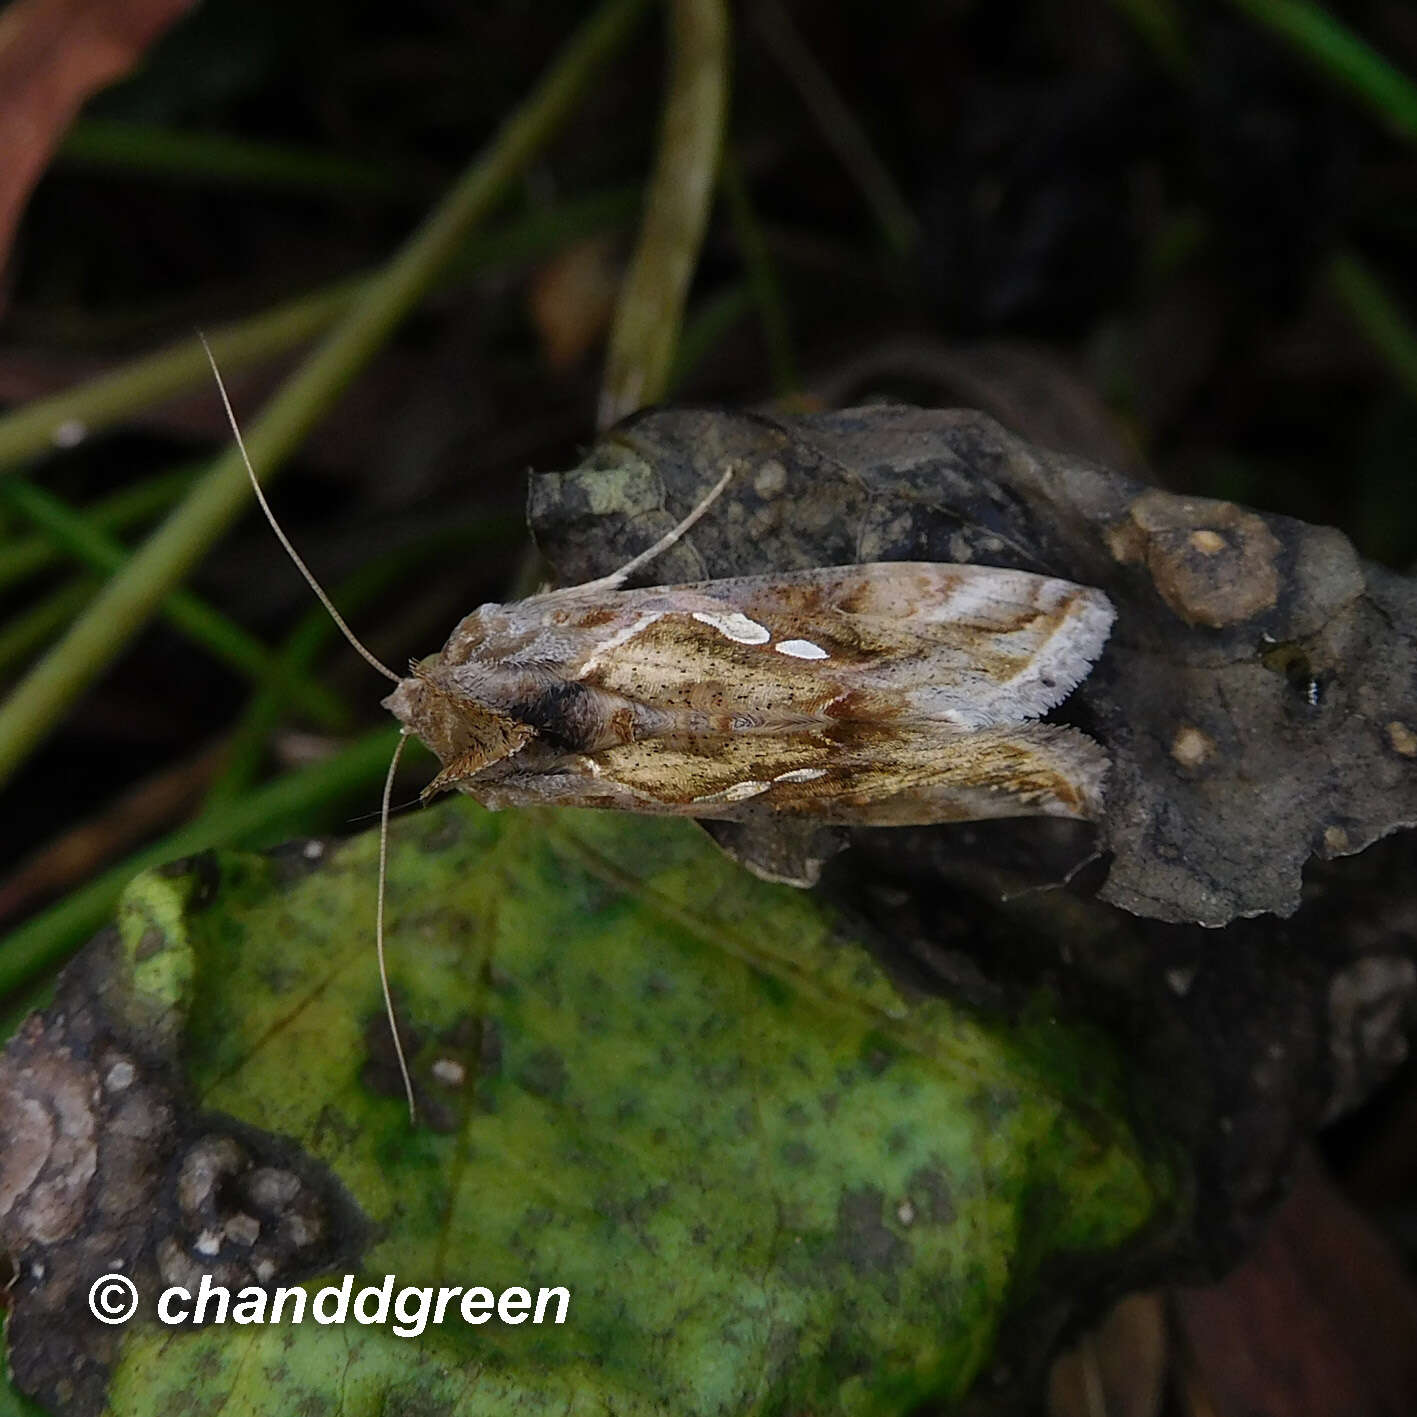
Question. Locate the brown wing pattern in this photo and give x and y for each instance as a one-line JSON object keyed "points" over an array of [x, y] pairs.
{"points": [[914, 641], [875, 775]]}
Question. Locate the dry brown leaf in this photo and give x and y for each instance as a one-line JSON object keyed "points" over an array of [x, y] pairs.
{"points": [[53, 55], [1320, 1319], [572, 298]]}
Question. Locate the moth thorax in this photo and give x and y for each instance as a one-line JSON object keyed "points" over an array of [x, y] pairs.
{"points": [[492, 634]]}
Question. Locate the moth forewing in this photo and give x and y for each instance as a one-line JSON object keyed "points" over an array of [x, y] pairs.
{"points": [[859, 775], [963, 645]]}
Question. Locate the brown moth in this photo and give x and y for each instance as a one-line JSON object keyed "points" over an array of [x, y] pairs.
{"points": [[889, 694]]}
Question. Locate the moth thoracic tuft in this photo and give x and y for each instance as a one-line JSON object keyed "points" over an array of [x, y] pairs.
{"points": [[896, 693]]}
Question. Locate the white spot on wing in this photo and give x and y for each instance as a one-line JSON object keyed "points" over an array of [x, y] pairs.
{"points": [[734, 625], [740, 790], [737, 793], [801, 649], [625, 633], [801, 775]]}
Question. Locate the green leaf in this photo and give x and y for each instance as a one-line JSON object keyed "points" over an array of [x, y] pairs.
{"points": [[771, 1180]]}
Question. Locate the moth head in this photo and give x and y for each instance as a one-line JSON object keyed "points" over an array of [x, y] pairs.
{"points": [[466, 735]]}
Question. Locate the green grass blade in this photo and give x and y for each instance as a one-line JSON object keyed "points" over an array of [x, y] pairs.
{"points": [[28, 632], [115, 396], [1372, 308], [1343, 57], [649, 313], [200, 622], [762, 276], [27, 555], [706, 326], [116, 145]]}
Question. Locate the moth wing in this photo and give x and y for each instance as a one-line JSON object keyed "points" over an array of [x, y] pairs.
{"points": [[877, 775], [973, 645], [970, 646]]}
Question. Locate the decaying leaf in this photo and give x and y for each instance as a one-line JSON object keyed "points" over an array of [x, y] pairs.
{"points": [[53, 55], [772, 1178], [1320, 1318], [1258, 695]]}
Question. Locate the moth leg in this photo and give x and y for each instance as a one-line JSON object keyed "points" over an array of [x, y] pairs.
{"points": [[464, 766], [786, 851]]}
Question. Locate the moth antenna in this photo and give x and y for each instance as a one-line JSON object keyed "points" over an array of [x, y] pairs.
{"points": [[379, 929], [284, 540], [618, 578]]}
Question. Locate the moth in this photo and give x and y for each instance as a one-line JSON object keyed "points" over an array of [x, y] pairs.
{"points": [[887, 694]]}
